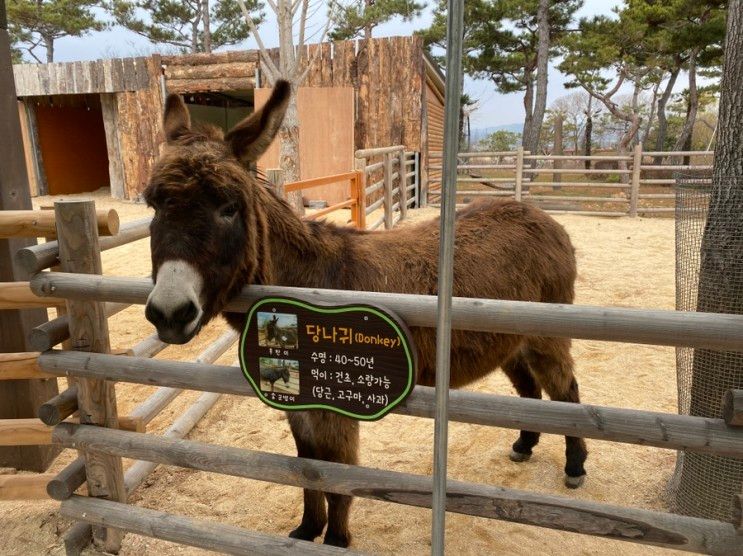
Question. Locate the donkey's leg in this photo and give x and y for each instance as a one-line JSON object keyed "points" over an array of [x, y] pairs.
{"points": [[552, 365], [520, 376], [314, 517], [339, 443]]}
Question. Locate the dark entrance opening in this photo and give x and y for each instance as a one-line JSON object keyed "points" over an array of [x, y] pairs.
{"points": [[223, 109], [71, 143]]}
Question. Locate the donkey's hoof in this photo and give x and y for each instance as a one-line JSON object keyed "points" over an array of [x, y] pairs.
{"points": [[574, 482], [333, 539], [304, 533], [518, 457]]}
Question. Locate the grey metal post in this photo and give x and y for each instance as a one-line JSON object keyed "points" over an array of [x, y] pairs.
{"points": [[454, 27]]}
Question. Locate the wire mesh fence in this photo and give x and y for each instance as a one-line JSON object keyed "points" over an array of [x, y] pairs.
{"points": [[704, 485]]}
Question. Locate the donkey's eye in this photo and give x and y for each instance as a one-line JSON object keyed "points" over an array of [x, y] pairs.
{"points": [[228, 211]]}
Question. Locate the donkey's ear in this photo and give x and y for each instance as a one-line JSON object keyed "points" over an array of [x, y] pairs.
{"points": [[250, 138], [177, 121]]}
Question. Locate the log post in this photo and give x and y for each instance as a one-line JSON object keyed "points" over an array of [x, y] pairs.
{"points": [[388, 201], [732, 408], [519, 172], [402, 173], [635, 190], [79, 251], [358, 193], [18, 398], [59, 407], [276, 177]]}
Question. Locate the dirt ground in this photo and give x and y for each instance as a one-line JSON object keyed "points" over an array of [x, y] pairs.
{"points": [[622, 262]]}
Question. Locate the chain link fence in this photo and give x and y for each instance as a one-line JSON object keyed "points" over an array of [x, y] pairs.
{"points": [[703, 485]]}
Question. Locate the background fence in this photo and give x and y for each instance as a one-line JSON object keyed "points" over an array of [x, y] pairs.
{"points": [[600, 185]]}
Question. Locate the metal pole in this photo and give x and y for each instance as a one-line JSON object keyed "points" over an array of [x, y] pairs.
{"points": [[454, 29]]}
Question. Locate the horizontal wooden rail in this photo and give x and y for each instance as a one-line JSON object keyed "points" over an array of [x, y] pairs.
{"points": [[41, 223], [658, 182], [25, 487], [598, 157], [575, 171], [38, 257], [368, 153], [482, 193], [20, 366], [535, 197], [377, 224], [480, 167], [332, 208], [678, 153], [630, 426], [18, 295], [210, 536], [66, 482], [659, 167], [32, 432], [373, 167], [316, 182], [375, 205], [667, 328], [543, 510], [438, 154], [585, 184]]}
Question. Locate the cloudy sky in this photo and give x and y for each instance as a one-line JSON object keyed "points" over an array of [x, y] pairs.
{"points": [[493, 108]]}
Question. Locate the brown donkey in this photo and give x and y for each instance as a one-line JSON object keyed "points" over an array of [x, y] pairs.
{"points": [[218, 227]]}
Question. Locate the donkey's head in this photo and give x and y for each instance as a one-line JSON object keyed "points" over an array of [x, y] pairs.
{"points": [[208, 234], [285, 374], [272, 328]]}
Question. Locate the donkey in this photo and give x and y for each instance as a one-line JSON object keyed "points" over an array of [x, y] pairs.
{"points": [[278, 335], [218, 227], [272, 375]]}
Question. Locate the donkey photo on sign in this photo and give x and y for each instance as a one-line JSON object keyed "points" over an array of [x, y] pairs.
{"points": [[219, 227]]}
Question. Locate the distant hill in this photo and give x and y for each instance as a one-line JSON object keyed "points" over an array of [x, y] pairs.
{"points": [[479, 133]]}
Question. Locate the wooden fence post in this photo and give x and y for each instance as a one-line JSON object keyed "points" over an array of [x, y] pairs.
{"points": [[276, 177], [358, 192], [79, 252], [635, 189], [403, 172], [519, 172], [422, 177], [417, 179], [388, 202]]}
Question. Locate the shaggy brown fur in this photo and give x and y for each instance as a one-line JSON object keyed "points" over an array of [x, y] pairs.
{"points": [[214, 213]]}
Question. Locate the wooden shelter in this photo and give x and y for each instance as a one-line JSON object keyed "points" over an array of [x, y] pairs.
{"points": [[81, 118]]}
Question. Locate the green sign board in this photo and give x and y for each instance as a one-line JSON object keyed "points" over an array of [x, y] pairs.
{"points": [[356, 360]]}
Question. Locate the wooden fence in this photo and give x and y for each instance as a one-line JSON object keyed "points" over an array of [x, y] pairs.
{"points": [[392, 177], [670, 431], [606, 184], [63, 408], [356, 199]]}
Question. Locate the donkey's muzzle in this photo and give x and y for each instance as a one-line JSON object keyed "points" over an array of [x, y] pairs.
{"points": [[177, 326]]}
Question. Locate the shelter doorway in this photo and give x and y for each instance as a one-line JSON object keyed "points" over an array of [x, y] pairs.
{"points": [[72, 156], [223, 109]]}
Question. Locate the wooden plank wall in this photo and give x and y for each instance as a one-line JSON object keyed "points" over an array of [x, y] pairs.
{"points": [[434, 132], [225, 71], [326, 144], [388, 77], [140, 132], [72, 78]]}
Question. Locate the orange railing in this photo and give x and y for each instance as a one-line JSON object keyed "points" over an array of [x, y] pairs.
{"points": [[356, 200]]}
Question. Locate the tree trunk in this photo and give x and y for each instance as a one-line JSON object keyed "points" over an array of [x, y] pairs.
{"points": [[589, 132], [720, 282], [660, 140], [207, 26], [691, 116], [651, 116], [49, 45], [528, 109], [540, 99], [289, 151]]}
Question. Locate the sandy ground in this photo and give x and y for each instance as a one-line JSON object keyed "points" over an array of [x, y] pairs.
{"points": [[622, 262]]}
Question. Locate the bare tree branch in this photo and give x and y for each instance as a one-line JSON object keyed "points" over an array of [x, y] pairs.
{"points": [[316, 54], [270, 66]]}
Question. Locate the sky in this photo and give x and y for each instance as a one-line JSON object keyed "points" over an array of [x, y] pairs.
{"points": [[493, 108]]}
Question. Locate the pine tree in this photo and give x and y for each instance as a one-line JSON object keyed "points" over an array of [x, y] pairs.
{"points": [[361, 16], [38, 23], [189, 25]]}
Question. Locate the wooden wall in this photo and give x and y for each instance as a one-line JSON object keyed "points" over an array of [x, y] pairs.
{"points": [[434, 131], [326, 144], [73, 78], [387, 75], [224, 71], [136, 123]]}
